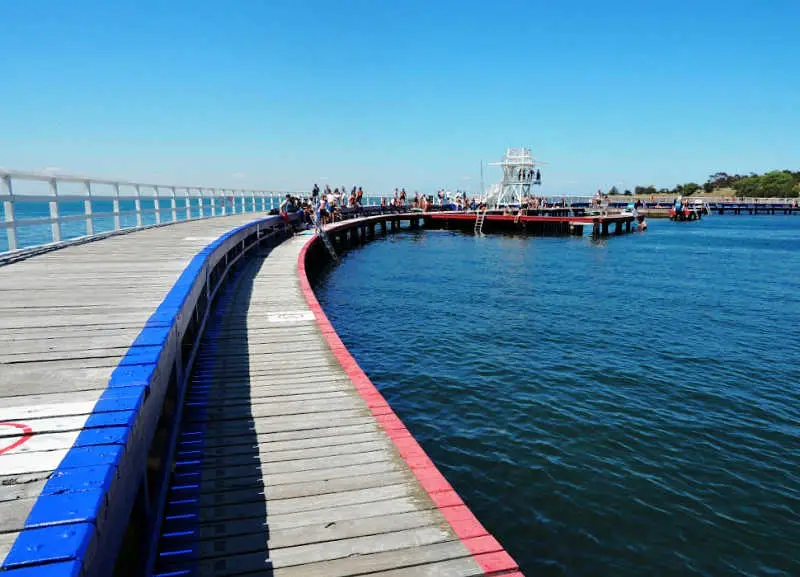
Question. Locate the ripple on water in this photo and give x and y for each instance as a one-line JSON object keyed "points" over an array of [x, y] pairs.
{"points": [[626, 408]]}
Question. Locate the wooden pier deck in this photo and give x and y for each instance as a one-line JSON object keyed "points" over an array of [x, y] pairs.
{"points": [[287, 459], [67, 319], [283, 464]]}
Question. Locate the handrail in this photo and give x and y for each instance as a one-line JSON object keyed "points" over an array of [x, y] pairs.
{"points": [[185, 201]]}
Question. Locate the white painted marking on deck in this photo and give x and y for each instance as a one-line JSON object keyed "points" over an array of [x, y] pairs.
{"points": [[16, 463], [42, 411], [43, 442], [48, 425], [290, 317], [17, 434]]}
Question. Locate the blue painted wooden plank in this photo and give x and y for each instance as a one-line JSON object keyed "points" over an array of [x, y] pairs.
{"points": [[66, 508], [84, 479], [60, 569]]}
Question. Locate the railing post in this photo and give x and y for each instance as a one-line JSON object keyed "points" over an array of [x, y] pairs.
{"points": [[8, 209], [55, 226], [173, 205], [157, 205], [263, 202], [271, 201], [213, 202], [138, 205], [87, 209], [201, 212], [188, 203], [244, 201], [116, 206], [253, 199]]}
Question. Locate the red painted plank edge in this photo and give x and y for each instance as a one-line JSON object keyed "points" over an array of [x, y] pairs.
{"points": [[485, 549]]}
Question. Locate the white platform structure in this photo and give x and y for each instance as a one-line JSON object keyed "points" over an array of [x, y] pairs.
{"points": [[520, 173]]}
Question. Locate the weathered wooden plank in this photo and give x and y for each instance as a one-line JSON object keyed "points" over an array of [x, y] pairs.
{"points": [[218, 470], [251, 444], [29, 379], [463, 567], [315, 435], [293, 479], [214, 544], [258, 515], [265, 454], [322, 552], [234, 396], [13, 513], [257, 410], [303, 508], [407, 559], [305, 422], [13, 488]]}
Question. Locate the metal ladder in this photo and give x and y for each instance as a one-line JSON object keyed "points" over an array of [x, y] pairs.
{"points": [[479, 221], [324, 236]]}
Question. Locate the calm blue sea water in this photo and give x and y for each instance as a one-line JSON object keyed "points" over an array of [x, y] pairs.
{"points": [[629, 407]]}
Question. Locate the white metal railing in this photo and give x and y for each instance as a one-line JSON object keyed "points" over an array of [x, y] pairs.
{"points": [[152, 204]]}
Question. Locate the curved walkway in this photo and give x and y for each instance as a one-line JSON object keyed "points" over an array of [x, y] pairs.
{"points": [[67, 318], [290, 463]]}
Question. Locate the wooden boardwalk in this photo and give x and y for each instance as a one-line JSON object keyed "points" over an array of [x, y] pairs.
{"points": [[283, 468], [288, 461], [67, 317]]}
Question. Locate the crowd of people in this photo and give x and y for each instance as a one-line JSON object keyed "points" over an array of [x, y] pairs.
{"points": [[327, 205]]}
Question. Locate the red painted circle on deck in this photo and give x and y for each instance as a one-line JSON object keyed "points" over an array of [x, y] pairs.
{"points": [[25, 433]]}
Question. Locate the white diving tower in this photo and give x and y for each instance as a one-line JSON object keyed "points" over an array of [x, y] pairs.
{"points": [[520, 172]]}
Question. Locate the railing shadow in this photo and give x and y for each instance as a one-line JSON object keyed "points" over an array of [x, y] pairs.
{"points": [[216, 515]]}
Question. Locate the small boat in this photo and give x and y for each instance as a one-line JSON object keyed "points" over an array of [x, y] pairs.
{"points": [[685, 211]]}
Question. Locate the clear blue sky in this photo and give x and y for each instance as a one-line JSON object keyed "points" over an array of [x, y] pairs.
{"points": [[408, 93]]}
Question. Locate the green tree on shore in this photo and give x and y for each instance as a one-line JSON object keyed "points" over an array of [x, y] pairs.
{"points": [[778, 183], [774, 184]]}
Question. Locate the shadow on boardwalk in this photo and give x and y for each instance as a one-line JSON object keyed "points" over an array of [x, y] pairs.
{"points": [[216, 518]]}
